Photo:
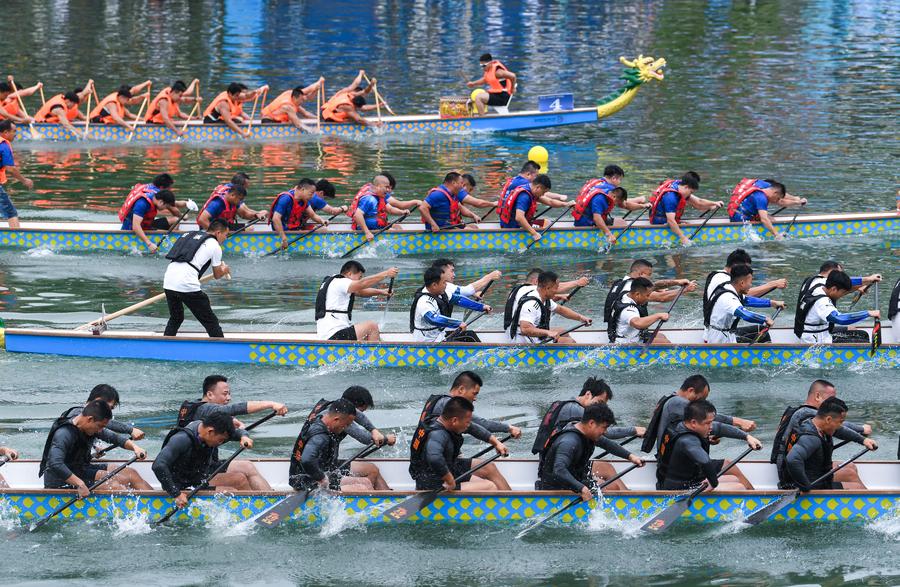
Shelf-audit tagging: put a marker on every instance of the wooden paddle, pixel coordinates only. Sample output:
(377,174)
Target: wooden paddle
(546,228)
(87,118)
(252,113)
(699,228)
(563,333)
(667,518)
(137,119)
(193,111)
(34,133)
(91,489)
(573,503)
(659,324)
(374,236)
(43,101)
(876,327)
(413,505)
(763,331)
(763,513)
(301,237)
(609,245)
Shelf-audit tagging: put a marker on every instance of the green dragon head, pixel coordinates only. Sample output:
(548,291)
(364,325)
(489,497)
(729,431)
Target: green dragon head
(641,69)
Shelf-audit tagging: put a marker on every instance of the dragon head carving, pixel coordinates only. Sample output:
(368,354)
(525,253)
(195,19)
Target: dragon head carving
(642,69)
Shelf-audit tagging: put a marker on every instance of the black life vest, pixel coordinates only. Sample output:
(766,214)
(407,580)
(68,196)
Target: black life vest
(322,296)
(580,467)
(187,413)
(653,428)
(707,306)
(779,444)
(417,462)
(808,286)
(612,329)
(78,456)
(813,470)
(190,470)
(510,304)
(616,291)
(186,247)
(804,306)
(297,476)
(894,303)
(444,307)
(544,321)
(549,424)
(687,471)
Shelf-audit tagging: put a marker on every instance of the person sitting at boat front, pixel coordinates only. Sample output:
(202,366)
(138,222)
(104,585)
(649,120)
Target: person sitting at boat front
(531,317)
(113,109)
(228,107)
(434,456)
(335,298)
(500,81)
(107,393)
(683,461)
(9,455)
(669,200)
(630,323)
(217,398)
(66,461)
(227,202)
(163,109)
(290,208)
(8,166)
(750,201)
(817,315)
(63,108)
(809,452)
(443,207)
(287,107)
(362,430)
(140,210)
(429,315)
(189,455)
(517,209)
(561,413)
(789,429)
(314,458)
(728,306)
(190,256)
(373,202)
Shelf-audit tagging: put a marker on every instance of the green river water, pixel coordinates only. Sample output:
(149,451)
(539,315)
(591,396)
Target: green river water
(802,90)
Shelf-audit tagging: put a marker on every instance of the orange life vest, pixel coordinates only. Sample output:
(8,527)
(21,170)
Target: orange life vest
(294,221)
(153,113)
(274,110)
(103,107)
(45,114)
(657,195)
(739,194)
(330,110)
(236,108)
(140,190)
(590,190)
(381,215)
(2,168)
(508,205)
(11,105)
(230,211)
(455,216)
(495,85)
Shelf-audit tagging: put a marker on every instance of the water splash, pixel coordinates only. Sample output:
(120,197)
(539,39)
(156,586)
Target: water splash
(9,516)
(335,518)
(133,523)
(40,252)
(602,519)
(888,526)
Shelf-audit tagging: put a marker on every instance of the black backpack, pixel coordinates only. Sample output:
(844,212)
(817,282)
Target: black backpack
(616,291)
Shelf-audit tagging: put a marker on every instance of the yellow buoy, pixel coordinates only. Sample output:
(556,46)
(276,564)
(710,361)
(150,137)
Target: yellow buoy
(539,155)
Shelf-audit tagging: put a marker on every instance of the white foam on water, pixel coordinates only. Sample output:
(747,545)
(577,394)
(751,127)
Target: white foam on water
(603,519)
(216,515)
(134,523)
(734,524)
(9,517)
(888,526)
(40,252)
(749,234)
(335,518)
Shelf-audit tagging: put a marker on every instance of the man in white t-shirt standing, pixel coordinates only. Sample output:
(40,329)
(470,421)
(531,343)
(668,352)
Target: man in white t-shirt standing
(531,317)
(191,255)
(334,303)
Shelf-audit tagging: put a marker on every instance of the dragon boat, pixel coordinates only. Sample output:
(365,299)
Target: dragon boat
(638,71)
(591,349)
(28,501)
(413,239)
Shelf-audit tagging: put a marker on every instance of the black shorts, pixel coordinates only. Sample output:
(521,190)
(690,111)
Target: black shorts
(160,223)
(348,333)
(457,468)
(747,334)
(88,474)
(675,485)
(498,99)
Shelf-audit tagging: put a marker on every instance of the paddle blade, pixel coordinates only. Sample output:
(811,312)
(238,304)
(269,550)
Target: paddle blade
(666,518)
(282,510)
(410,507)
(876,337)
(765,512)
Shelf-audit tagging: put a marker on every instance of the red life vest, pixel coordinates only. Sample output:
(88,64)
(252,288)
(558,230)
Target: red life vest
(381,215)
(588,192)
(230,211)
(657,195)
(140,190)
(294,221)
(739,194)
(508,205)
(504,190)
(455,216)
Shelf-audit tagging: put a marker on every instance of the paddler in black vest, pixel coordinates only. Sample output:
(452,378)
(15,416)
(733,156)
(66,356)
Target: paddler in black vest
(529,287)
(894,311)
(430,314)
(530,321)
(191,255)
(561,413)
(9,455)
(566,461)
(814,285)
(630,320)
(730,304)
(190,454)
(683,461)
(362,430)
(669,411)
(66,462)
(109,394)
(314,459)
(792,418)
(661,291)
(467,385)
(335,298)
(217,398)
(817,315)
(809,457)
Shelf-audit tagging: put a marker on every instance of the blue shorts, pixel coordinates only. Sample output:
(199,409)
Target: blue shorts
(7,210)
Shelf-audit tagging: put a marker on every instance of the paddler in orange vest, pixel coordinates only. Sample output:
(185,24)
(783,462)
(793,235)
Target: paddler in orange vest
(290,209)
(113,108)
(9,101)
(287,106)
(346,105)
(500,81)
(227,202)
(228,107)
(163,109)
(750,201)
(374,201)
(63,108)
(670,199)
(597,198)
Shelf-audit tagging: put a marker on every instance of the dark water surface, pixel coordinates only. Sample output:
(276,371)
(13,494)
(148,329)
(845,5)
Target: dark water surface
(805,91)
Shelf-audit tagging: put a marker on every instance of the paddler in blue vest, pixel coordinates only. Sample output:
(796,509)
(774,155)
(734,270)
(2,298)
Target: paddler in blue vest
(729,304)
(597,198)
(7,454)
(191,255)
(561,413)
(670,199)
(530,321)
(809,454)
(290,209)
(750,201)
(517,209)
(373,202)
(319,202)
(335,299)
(443,208)
(8,165)
(467,193)
(817,314)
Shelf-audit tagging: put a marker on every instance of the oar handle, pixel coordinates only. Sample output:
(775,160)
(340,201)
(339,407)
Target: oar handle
(172,228)
(546,228)
(488,213)
(481,295)
(374,236)
(570,295)
(623,443)
(563,333)
(302,236)
(763,332)
(261,421)
(708,218)
(471,471)
(660,322)
(483,452)
(203,485)
(841,466)
(243,228)
(366,451)
(626,229)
